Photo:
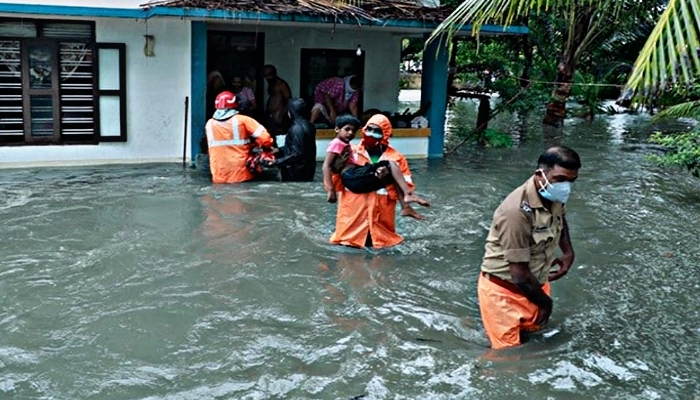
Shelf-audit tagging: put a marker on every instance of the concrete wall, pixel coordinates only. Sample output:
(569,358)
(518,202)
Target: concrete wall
(156,90)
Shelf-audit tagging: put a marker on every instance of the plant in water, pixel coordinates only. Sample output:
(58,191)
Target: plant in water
(682,150)
(496,138)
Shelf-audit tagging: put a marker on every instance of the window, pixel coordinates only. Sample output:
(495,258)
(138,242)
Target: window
(54,89)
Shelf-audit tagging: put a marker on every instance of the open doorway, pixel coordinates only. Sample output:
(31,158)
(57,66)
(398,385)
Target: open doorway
(319,64)
(234,62)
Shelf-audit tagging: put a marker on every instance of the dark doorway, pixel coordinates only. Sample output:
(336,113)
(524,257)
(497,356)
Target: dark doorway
(235,54)
(319,64)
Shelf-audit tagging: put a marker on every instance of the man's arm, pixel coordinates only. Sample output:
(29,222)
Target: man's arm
(285,95)
(531,289)
(567,258)
(293,147)
(514,236)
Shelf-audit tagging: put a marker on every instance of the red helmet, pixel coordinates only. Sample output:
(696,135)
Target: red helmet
(226,100)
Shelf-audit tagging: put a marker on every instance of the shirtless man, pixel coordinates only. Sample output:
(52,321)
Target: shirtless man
(278,102)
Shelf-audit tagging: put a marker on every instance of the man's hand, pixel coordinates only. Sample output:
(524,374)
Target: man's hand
(332,198)
(543,315)
(564,262)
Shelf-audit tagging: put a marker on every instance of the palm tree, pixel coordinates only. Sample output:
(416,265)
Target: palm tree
(587,24)
(670,55)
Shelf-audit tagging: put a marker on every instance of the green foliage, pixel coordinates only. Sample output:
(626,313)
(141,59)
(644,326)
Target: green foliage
(689,109)
(412,49)
(463,129)
(497,139)
(670,53)
(682,150)
(494,65)
(677,94)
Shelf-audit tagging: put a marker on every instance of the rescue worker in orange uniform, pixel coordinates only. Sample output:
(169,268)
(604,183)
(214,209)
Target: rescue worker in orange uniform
(369,219)
(527,228)
(231,137)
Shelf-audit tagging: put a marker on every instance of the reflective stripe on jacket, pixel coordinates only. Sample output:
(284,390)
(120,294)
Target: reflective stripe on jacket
(230,142)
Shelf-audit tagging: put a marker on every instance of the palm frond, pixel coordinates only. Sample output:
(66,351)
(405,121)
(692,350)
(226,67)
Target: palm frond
(689,109)
(670,54)
(505,12)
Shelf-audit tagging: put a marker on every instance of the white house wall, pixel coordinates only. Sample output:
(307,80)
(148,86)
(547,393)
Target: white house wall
(157,86)
(156,90)
(283,49)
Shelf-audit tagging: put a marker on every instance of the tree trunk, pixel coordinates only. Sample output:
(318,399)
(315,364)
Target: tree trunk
(527,52)
(556,109)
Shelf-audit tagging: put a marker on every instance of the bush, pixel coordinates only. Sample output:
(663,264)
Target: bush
(682,150)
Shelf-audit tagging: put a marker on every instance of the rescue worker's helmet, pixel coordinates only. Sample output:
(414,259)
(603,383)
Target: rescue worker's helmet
(226,100)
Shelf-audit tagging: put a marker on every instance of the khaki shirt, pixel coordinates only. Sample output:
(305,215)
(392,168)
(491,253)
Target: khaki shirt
(523,231)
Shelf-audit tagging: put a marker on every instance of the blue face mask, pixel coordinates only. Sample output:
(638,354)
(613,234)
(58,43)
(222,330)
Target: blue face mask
(559,191)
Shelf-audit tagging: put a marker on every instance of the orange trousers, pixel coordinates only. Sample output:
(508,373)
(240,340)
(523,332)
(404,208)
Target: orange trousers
(505,313)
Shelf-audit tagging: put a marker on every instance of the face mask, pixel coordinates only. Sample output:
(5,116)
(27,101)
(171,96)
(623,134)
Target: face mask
(374,133)
(558,191)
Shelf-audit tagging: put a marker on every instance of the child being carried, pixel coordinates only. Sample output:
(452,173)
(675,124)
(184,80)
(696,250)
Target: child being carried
(362,178)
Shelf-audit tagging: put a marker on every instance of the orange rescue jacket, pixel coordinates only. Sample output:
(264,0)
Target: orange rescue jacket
(371,213)
(230,142)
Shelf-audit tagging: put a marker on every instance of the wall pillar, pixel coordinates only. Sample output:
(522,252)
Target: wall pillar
(198,91)
(434,89)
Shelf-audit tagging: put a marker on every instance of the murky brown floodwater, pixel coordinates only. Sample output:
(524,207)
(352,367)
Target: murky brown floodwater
(144,282)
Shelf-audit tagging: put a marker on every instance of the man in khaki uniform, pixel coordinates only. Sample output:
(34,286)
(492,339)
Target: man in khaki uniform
(527,228)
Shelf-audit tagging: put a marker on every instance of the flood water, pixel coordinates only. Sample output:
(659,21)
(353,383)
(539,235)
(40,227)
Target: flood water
(147,282)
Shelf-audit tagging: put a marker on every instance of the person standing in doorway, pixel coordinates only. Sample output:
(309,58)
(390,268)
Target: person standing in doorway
(334,96)
(250,80)
(278,100)
(528,226)
(244,96)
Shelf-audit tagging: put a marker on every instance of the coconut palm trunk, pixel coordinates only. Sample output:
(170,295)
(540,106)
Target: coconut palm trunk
(556,108)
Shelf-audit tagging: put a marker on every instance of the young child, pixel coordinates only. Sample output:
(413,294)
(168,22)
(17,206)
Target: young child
(361,178)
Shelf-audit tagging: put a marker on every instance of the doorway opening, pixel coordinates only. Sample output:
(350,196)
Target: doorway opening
(239,57)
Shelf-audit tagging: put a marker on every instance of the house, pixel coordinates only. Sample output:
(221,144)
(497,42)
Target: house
(119,81)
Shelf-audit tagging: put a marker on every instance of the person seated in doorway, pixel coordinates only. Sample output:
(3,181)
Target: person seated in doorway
(297,158)
(334,96)
(362,177)
(231,138)
(244,96)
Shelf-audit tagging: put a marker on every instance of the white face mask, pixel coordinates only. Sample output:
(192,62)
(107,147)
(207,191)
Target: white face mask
(559,191)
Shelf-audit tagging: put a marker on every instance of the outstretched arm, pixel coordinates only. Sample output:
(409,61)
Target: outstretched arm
(292,149)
